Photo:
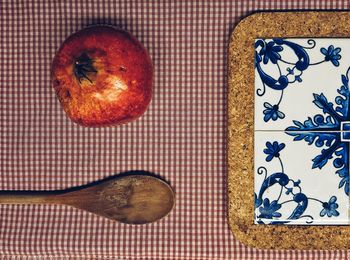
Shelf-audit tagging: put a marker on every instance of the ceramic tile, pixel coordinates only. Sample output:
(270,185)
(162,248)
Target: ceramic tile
(301,178)
(301,79)
(302,131)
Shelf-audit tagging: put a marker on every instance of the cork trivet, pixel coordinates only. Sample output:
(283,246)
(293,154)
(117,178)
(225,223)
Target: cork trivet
(241,129)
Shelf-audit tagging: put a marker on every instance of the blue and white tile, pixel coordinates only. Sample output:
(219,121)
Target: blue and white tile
(313,79)
(301,178)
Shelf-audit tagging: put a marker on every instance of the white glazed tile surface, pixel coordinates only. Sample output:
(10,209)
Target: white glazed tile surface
(296,158)
(297,102)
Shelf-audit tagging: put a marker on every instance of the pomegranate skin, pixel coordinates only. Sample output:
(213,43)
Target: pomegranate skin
(102,77)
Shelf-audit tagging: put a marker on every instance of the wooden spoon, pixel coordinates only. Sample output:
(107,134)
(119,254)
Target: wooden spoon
(131,199)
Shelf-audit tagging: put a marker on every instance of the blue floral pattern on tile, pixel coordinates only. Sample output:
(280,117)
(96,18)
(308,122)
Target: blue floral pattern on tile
(332,54)
(330,208)
(325,132)
(271,52)
(266,209)
(273,150)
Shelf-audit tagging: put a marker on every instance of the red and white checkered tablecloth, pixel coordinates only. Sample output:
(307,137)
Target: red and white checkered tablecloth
(181,137)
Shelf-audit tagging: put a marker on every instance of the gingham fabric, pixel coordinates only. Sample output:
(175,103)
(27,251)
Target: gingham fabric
(181,137)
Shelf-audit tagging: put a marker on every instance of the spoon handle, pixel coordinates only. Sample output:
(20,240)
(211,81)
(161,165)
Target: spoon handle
(29,197)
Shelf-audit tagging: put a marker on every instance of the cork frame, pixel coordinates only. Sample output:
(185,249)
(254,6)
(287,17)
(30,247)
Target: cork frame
(311,24)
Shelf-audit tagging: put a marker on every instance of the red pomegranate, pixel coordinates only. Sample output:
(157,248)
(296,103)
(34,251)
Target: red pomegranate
(102,76)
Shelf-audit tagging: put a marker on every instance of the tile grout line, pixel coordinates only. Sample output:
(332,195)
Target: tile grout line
(301,131)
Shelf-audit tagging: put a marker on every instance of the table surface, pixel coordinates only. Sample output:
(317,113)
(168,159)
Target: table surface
(181,137)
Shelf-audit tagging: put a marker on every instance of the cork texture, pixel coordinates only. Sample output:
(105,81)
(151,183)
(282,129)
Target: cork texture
(241,129)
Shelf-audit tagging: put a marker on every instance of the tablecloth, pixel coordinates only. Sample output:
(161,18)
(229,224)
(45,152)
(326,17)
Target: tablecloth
(182,136)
